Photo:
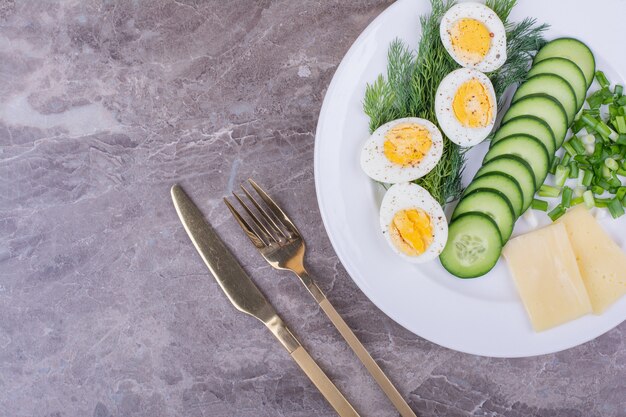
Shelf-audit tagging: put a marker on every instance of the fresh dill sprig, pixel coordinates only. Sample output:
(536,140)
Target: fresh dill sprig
(412,80)
(379,103)
(524,39)
(400,69)
(502,8)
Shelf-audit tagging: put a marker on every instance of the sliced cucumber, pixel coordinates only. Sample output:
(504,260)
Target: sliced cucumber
(527,147)
(566,69)
(503,183)
(554,86)
(473,247)
(492,203)
(529,125)
(544,107)
(572,49)
(517,168)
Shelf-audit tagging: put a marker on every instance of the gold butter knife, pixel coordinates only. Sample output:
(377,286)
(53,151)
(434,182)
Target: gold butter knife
(246,297)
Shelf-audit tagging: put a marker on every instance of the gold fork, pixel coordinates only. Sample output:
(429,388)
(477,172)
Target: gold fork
(282,246)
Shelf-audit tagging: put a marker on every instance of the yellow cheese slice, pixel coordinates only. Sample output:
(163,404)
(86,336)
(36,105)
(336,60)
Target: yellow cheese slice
(601,262)
(544,269)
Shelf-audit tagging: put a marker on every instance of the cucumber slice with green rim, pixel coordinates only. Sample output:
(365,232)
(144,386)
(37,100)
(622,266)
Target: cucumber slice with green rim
(473,247)
(503,183)
(572,49)
(529,125)
(544,107)
(554,86)
(492,203)
(527,147)
(566,69)
(517,168)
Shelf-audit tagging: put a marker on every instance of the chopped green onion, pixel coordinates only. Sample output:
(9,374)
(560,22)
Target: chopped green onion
(557,212)
(577,145)
(621,101)
(621,172)
(539,204)
(577,125)
(617,92)
(589,121)
(573,169)
(597,151)
(576,201)
(561,175)
(587,178)
(603,202)
(553,165)
(590,148)
(569,148)
(588,139)
(615,208)
(602,79)
(605,130)
(548,191)
(589,200)
(606,172)
(611,164)
(621,140)
(566,197)
(621,193)
(614,182)
(602,184)
(566,158)
(620,124)
(600,97)
(597,190)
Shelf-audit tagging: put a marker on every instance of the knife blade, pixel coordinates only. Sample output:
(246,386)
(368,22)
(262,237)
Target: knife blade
(247,297)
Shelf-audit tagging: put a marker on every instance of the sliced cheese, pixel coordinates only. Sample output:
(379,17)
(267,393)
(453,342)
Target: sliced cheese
(544,269)
(601,262)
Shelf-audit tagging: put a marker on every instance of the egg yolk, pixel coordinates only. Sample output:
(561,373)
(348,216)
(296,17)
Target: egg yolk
(411,231)
(470,39)
(407,144)
(472,104)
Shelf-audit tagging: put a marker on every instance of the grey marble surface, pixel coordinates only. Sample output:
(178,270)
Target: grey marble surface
(106,309)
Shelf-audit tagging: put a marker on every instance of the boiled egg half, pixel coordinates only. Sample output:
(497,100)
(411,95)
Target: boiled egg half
(474,36)
(402,150)
(413,223)
(465,105)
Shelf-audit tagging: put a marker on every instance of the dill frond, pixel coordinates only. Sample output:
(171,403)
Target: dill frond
(400,69)
(501,7)
(524,39)
(379,103)
(412,80)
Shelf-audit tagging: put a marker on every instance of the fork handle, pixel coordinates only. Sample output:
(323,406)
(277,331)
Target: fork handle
(321,381)
(372,367)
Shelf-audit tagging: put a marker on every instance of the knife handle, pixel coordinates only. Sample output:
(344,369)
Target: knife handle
(330,392)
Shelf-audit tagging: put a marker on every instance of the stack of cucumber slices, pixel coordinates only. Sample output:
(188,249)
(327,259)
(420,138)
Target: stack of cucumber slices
(518,160)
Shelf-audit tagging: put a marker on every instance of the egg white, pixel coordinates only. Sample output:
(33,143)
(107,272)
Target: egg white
(378,167)
(496,56)
(410,196)
(454,130)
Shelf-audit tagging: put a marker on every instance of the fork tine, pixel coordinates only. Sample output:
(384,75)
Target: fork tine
(276,210)
(259,224)
(267,217)
(254,237)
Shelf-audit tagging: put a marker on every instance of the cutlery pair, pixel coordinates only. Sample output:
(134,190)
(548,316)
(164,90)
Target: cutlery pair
(280,243)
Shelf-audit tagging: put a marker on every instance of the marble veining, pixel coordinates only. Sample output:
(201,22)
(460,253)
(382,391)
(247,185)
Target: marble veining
(105,308)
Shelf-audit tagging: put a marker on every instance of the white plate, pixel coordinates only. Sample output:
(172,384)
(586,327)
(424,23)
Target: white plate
(482,316)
